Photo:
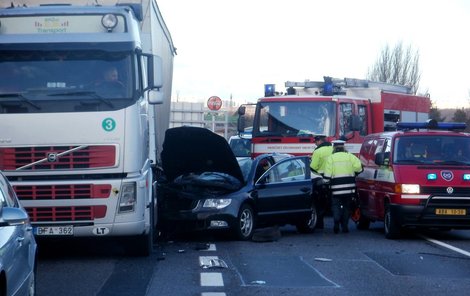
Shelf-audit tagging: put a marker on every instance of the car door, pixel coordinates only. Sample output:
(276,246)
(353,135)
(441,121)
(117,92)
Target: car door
(18,246)
(285,189)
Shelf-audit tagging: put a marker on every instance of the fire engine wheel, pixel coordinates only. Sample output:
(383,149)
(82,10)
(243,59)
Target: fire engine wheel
(245,224)
(392,229)
(308,225)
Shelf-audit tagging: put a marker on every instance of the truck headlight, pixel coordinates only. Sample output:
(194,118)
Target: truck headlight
(216,203)
(128,198)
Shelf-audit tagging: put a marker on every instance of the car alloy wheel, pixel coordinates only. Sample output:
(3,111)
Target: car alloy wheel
(245,223)
(309,224)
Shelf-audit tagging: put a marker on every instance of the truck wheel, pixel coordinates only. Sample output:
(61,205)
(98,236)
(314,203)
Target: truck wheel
(392,229)
(309,224)
(245,224)
(140,246)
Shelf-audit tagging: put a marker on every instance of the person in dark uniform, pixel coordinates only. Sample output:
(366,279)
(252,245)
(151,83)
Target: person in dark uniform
(341,169)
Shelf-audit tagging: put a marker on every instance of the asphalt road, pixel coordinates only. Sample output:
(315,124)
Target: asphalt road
(281,262)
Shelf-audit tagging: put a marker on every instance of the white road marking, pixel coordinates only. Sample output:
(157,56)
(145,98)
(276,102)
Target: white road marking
(206,260)
(212,279)
(211,248)
(213,294)
(450,247)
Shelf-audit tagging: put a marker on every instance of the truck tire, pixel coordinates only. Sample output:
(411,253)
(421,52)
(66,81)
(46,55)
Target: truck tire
(391,227)
(308,225)
(140,246)
(245,224)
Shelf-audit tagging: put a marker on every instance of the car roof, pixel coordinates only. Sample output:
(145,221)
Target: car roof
(196,150)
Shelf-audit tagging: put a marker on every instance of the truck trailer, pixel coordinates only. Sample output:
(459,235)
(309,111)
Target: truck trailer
(84,105)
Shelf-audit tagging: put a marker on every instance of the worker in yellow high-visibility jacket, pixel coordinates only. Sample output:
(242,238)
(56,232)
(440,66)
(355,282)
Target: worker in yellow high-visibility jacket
(341,169)
(322,150)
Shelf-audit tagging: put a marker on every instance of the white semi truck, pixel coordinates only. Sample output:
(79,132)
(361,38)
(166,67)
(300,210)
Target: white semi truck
(84,103)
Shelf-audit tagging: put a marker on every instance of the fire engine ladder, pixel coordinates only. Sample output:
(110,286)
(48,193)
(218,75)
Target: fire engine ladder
(351,82)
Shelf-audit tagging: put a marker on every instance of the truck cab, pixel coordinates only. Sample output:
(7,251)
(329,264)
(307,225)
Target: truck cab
(418,176)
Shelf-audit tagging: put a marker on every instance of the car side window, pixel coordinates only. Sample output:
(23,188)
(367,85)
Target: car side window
(3,200)
(7,192)
(6,202)
(287,171)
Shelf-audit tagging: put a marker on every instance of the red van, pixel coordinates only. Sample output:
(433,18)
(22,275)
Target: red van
(418,176)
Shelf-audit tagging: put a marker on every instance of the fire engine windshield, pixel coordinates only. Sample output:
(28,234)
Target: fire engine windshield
(295,118)
(436,149)
(65,81)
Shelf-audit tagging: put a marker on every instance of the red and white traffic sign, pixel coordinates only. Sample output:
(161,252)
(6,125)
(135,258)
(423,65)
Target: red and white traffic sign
(214,103)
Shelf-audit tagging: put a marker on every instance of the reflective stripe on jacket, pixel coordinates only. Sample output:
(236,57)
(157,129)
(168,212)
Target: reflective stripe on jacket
(341,169)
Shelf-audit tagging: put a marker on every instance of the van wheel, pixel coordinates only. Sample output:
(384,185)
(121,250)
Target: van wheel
(363,223)
(245,224)
(308,224)
(392,229)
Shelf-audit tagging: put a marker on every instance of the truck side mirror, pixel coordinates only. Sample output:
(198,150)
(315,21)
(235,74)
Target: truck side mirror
(155,72)
(356,123)
(154,79)
(241,119)
(241,124)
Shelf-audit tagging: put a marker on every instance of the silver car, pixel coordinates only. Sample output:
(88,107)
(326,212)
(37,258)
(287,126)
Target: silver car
(17,245)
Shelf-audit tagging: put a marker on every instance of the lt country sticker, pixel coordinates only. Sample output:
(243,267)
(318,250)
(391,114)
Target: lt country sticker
(108,124)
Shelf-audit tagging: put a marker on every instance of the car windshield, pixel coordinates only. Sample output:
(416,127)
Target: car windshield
(295,118)
(438,149)
(245,165)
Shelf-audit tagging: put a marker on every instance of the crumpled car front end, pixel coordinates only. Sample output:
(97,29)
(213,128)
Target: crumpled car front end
(201,182)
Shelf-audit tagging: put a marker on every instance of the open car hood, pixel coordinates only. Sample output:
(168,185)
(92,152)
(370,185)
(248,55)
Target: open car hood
(197,150)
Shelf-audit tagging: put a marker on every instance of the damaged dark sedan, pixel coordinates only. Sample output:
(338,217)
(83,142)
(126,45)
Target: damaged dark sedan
(204,187)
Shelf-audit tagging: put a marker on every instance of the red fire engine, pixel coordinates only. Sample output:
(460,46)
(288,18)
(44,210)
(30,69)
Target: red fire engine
(347,109)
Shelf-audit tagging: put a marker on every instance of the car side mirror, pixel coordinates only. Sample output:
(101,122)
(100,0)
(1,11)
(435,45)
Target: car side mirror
(14,216)
(382,158)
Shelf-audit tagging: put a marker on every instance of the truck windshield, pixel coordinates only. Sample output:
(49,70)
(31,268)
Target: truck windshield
(64,81)
(435,149)
(295,118)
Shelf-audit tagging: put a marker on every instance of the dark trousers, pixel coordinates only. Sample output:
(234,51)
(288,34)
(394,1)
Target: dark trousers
(340,207)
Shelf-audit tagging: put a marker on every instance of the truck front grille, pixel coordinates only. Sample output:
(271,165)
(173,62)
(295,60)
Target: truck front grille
(57,157)
(52,192)
(72,214)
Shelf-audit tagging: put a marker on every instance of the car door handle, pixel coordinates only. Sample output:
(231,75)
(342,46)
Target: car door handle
(306,189)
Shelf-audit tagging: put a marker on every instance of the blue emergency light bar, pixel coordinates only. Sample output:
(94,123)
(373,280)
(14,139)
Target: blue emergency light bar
(431,124)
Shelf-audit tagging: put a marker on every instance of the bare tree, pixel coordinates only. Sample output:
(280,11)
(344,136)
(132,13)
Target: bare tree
(397,65)
(435,113)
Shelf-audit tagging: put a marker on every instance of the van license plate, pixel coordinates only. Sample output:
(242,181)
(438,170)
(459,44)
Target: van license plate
(457,212)
(53,230)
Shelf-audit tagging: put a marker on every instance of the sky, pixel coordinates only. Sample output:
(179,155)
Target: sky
(231,49)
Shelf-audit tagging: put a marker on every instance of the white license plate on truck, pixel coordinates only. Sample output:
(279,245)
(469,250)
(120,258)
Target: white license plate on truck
(53,230)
